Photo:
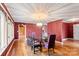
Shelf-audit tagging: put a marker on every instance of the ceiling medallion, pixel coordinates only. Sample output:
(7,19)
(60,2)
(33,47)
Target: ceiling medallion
(40,15)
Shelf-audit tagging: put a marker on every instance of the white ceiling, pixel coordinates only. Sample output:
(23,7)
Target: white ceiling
(23,12)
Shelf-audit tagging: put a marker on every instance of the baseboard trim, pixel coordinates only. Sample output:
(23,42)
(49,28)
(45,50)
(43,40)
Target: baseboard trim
(59,42)
(8,49)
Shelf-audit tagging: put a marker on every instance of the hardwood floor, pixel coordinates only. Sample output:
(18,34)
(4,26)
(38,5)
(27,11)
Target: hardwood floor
(20,48)
(68,49)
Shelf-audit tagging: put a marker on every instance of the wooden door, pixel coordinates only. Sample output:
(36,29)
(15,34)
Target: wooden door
(21,31)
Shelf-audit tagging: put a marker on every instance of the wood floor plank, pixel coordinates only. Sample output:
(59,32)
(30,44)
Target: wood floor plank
(22,49)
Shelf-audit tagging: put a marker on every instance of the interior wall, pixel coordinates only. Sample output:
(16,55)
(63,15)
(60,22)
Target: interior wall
(16,29)
(33,28)
(67,30)
(29,29)
(55,28)
(61,29)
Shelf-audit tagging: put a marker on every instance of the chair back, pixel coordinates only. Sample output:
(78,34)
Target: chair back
(51,43)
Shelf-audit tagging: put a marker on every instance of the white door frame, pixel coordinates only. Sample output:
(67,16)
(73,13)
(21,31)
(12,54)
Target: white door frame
(25,31)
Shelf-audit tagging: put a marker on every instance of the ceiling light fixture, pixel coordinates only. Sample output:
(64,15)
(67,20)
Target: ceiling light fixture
(40,15)
(39,24)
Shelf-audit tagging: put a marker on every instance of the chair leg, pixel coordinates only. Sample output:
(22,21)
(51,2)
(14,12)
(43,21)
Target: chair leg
(40,48)
(34,49)
(31,47)
(49,52)
(53,50)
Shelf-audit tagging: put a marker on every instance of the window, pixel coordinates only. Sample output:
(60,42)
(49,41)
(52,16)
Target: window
(6,31)
(2,34)
(10,31)
(0,29)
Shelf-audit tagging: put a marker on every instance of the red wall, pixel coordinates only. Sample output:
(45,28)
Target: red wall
(33,28)
(16,29)
(68,30)
(61,29)
(55,28)
(29,29)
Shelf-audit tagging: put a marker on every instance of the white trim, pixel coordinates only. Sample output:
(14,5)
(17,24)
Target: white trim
(5,48)
(25,31)
(10,47)
(2,33)
(19,33)
(58,42)
(6,12)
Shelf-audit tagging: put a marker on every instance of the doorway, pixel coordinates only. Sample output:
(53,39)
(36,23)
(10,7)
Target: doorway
(76,31)
(22,31)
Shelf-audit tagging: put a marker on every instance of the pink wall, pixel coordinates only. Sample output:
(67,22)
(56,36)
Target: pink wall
(55,28)
(16,29)
(61,29)
(33,28)
(29,29)
(68,30)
